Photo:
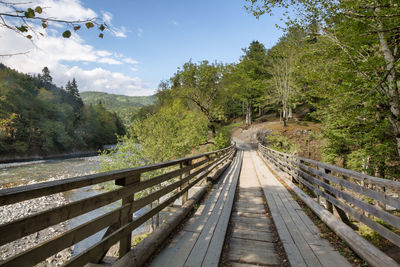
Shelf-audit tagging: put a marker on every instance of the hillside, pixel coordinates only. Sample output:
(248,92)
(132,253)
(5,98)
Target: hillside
(124,106)
(37,118)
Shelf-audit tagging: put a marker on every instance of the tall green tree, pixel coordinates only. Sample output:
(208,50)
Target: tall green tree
(200,84)
(247,78)
(367,34)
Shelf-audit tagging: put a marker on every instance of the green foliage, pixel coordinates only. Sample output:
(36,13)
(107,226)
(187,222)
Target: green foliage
(280,142)
(348,70)
(31,19)
(222,139)
(200,84)
(171,133)
(125,107)
(36,117)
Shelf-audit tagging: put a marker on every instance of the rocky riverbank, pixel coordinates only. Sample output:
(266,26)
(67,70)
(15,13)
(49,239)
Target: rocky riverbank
(22,209)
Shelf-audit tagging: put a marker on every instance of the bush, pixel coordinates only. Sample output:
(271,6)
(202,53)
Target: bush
(280,142)
(222,138)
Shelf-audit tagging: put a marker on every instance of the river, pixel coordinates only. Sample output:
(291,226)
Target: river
(39,171)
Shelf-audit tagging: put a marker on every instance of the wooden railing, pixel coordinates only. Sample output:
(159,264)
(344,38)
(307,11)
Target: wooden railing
(178,177)
(365,198)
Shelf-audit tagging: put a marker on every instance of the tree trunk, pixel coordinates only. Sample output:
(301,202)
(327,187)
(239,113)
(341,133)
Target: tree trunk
(244,115)
(392,88)
(259,111)
(248,113)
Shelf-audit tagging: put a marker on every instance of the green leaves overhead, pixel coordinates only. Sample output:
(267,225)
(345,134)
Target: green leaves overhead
(23,28)
(89,24)
(102,28)
(30,13)
(66,34)
(38,9)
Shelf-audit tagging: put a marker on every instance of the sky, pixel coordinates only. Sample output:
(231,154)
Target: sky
(147,41)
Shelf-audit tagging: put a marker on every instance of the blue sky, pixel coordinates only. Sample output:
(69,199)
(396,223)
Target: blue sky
(151,39)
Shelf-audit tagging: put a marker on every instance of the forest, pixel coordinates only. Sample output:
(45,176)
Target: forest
(337,60)
(124,106)
(37,118)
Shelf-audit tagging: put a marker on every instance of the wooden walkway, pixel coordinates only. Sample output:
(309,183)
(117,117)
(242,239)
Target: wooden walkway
(200,242)
(251,242)
(300,237)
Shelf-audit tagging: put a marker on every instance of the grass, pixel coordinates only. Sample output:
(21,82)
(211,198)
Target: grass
(231,126)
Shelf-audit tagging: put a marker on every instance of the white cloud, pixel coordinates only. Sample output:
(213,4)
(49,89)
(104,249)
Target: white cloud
(130,60)
(139,32)
(110,61)
(107,17)
(102,80)
(119,32)
(59,54)
(175,22)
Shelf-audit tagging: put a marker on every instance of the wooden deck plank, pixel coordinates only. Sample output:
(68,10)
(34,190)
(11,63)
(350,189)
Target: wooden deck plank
(252,251)
(199,251)
(178,251)
(299,222)
(270,186)
(251,242)
(304,248)
(216,245)
(252,234)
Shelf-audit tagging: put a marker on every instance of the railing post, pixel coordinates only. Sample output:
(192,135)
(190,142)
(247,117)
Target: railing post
(125,242)
(185,195)
(329,205)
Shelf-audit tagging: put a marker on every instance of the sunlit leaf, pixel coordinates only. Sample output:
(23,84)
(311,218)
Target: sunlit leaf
(77,28)
(38,9)
(29,36)
(44,25)
(89,25)
(23,28)
(101,35)
(102,28)
(66,34)
(30,13)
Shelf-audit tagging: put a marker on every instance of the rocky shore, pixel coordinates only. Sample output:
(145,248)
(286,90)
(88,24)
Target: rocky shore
(22,209)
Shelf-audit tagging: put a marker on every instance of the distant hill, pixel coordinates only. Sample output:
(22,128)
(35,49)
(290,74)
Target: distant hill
(124,106)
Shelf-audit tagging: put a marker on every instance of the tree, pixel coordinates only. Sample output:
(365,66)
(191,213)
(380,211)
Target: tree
(367,34)
(201,85)
(247,78)
(283,58)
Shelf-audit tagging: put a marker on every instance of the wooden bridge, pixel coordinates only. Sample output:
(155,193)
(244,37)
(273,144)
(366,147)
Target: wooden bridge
(232,207)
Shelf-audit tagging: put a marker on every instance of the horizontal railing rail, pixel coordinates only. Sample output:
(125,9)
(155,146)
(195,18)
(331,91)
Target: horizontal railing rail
(367,199)
(179,176)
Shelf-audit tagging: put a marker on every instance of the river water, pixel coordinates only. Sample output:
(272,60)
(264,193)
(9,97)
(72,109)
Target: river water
(39,171)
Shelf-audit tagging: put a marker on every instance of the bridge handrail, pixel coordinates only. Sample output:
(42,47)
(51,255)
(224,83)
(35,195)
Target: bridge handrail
(347,191)
(190,170)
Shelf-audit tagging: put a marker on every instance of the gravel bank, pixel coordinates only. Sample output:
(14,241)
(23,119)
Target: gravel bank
(22,209)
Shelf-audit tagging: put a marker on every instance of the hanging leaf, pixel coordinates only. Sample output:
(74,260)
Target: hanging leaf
(30,13)
(29,36)
(89,25)
(23,28)
(38,9)
(77,28)
(66,34)
(102,28)
(101,35)
(44,25)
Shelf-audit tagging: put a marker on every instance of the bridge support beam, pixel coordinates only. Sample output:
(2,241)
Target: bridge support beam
(126,242)
(185,195)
